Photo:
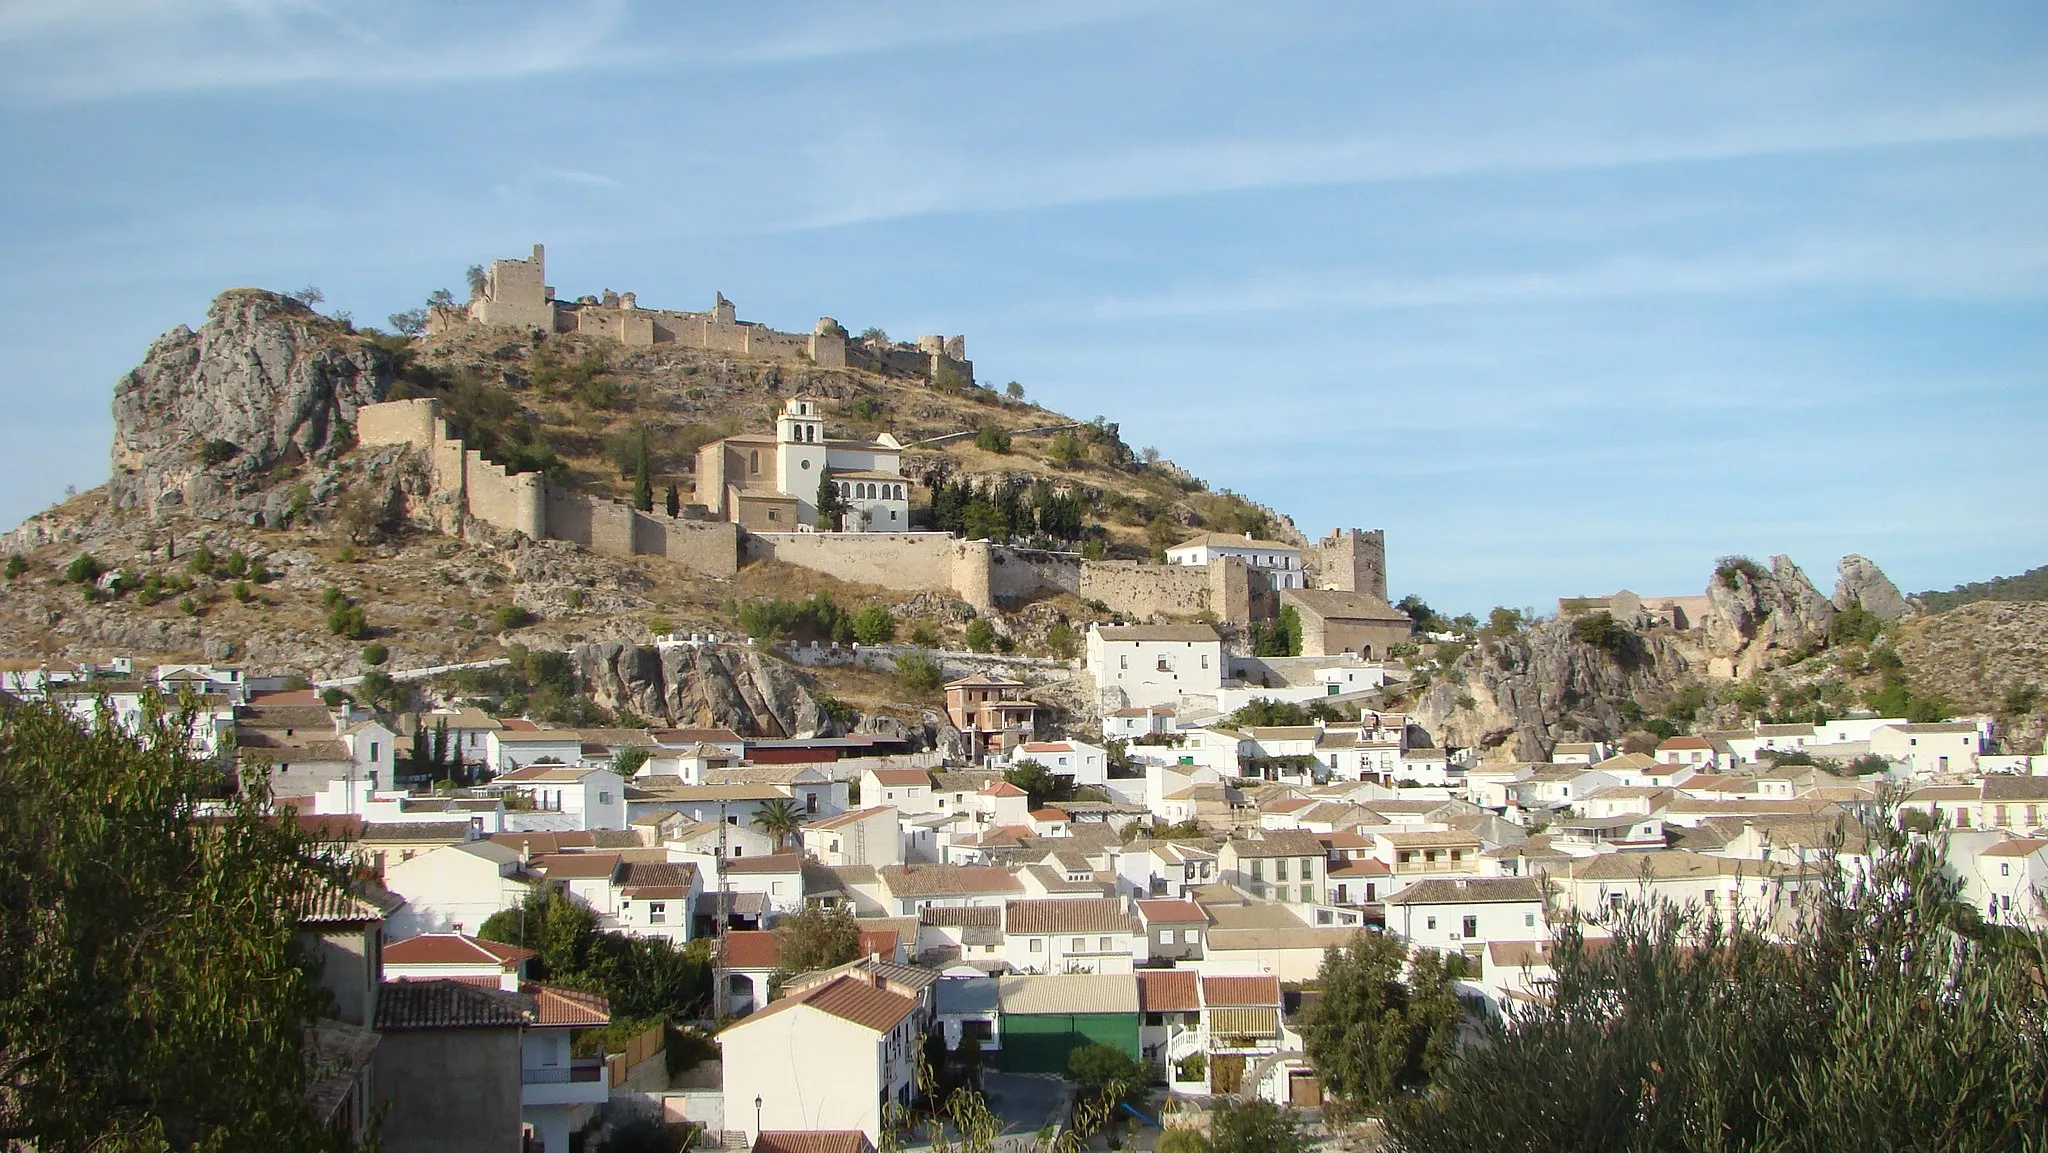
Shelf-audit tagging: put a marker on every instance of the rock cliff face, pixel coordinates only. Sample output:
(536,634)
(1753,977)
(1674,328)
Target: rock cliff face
(1529,692)
(701,687)
(1758,618)
(1859,581)
(264,381)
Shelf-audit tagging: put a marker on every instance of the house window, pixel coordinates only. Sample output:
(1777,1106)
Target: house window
(1258,869)
(1308,868)
(772,516)
(1162,665)
(1279,869)
(1191,936)
(1080,945)
(2005,868)
(604,798)
(1123,662)
(1102,944)
(775,888)
(1205,660)
(1430,923)
(1529,919)
(1037,945)
(657,912)
(754,464)
(373,750)
(1308,895)
(1471,926)
(1166,936)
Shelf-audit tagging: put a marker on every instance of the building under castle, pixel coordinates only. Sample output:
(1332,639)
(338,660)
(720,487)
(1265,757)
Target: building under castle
(515,294)
(769,483)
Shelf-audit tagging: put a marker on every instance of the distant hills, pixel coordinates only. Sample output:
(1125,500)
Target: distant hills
(2031,585)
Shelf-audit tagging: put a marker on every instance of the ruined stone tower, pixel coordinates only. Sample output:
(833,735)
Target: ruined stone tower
(1351,560)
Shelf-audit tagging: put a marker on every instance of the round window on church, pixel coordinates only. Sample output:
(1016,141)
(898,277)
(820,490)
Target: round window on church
(804,463)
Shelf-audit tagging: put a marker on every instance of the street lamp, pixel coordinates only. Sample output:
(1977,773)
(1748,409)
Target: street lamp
(757,1115)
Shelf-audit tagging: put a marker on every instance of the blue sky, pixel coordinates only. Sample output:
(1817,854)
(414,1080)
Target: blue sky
(1566,297)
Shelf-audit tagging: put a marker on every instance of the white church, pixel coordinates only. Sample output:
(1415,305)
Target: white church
(771,483)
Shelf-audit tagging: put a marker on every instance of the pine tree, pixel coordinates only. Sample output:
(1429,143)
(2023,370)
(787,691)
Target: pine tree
(675,502)
(831,506)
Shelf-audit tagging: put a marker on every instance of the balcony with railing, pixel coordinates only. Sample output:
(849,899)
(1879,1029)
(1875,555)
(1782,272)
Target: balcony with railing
(583,1081)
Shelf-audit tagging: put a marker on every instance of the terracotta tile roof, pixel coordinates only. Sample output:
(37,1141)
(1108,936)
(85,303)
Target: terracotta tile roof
(416,831)
(772,863)
(1259,990)
(850,817)
(902,777)
(1168,991)
(1002,789)
(2017,847)
(538,843)
(331,904)
(553,1005)
(1684,743)
(1168,634)
(446,1005)
(750,949)
(578,866)
(964,916)
(672,879)
(453,949)
(1172,913)
(946,880)
(812,1141)
(1473,891)
(1067,915)
(850,998)
(1050,814)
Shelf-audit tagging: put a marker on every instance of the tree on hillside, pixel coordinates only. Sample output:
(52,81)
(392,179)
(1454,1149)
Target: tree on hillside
(411,322)
(780,818)
(477,279)
(673,502)
(1884,1017)
(813,938)
(874,625)
(644,978)
(140,942)
(1014,391)
(1385,1021)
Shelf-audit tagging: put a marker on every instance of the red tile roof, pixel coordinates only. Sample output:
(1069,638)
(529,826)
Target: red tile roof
(812,1141)
(1261,990)
(1168,991)
(553,1005)
(578,866)
(750,949)
(538,843)
(453,949)
(1050,815)
(1002,789)
(851,998)
(1172,912)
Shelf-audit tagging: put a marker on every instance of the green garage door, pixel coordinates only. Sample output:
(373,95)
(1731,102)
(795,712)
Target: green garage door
(1039,1043)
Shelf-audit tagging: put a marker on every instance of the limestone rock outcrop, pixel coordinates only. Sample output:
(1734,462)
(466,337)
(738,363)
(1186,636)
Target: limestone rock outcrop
(1758,617)
(1528,692)
(1859,581)
(701,686)
(207,415)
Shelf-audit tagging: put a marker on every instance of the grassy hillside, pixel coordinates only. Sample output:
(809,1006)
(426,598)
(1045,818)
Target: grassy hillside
(580,409)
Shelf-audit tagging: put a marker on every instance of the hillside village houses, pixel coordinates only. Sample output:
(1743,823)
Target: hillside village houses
(1280,563)
(1028,926)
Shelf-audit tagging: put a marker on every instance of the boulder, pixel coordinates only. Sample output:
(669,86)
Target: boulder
(1858,581)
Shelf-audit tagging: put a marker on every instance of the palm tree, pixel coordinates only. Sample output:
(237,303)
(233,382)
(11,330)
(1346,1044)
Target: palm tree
(779,818)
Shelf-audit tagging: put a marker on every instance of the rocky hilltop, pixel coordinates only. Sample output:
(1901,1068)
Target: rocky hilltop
(1770,644)
(210,417)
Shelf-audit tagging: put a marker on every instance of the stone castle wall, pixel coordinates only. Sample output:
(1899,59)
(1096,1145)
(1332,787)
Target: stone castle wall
(987,576)
(475,488)
(1350,560)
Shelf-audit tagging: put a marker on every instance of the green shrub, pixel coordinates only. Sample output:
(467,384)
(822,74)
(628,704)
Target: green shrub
(16,566)
(217,452)
(188,606)
(347,621)
(874,625)
(1601,631)
(375,653)
(201,562)
(573,598)
(1065,449)
(83,570)
(992,439)
(1730,570)
(925,634)
(242,592)
(1062,641)
(509,617)
(918,672)
(660,626)
(981,635)
(333,598)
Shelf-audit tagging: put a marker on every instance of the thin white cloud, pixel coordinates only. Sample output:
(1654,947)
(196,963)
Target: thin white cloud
(53,54)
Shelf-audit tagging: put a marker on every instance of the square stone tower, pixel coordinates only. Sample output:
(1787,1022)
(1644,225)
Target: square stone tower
(1351,560)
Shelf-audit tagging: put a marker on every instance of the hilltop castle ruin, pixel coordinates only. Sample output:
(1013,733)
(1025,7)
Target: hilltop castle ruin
(515,294)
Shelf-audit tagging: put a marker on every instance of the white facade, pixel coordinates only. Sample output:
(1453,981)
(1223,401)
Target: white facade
(452,889)
(1280,562)
(1087,764)
(870,836)
(1155,664)
(591,799)
(1941,748)
(812,1069)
